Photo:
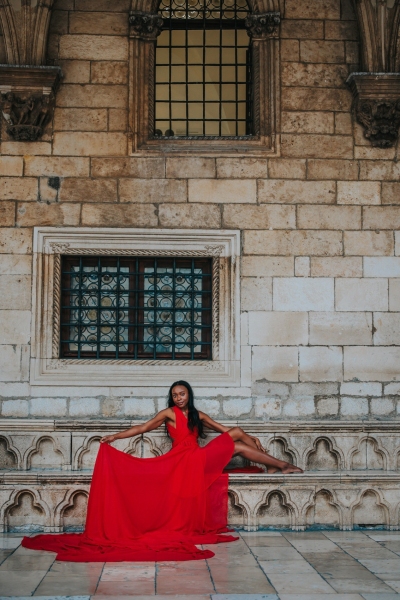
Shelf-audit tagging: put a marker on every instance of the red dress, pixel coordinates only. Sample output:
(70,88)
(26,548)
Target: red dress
(152,509)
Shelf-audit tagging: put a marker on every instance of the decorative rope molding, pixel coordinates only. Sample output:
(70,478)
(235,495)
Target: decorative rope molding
(56,305)
(65,363)
(66,248)
(215,307)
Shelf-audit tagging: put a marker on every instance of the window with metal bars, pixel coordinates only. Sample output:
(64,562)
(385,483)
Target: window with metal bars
(203,79)
(136,308)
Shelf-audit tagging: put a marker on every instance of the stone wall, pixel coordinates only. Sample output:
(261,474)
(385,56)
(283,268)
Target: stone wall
(320,265)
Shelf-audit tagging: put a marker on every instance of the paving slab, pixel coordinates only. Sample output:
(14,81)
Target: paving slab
(360,586)
(380,596)
(20,582)
(244,597)
(322,597)
(299,583)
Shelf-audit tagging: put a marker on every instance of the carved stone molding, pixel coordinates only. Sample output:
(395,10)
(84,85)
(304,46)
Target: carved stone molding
(376,106)
(261,26)
(25,28)
(27,97)
(144,25)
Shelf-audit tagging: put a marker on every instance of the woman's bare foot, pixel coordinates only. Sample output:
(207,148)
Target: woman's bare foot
(291,469)
(271,470)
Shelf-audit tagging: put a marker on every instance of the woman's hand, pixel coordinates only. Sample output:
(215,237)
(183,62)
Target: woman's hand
(108,439)
(258,443)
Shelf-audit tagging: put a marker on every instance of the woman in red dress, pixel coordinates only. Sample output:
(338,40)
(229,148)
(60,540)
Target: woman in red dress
(161,508)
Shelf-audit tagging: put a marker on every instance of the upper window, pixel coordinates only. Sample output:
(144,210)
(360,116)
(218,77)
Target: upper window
(203,76)
(116,307)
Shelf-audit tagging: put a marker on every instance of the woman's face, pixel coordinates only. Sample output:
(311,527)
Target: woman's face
(180,396)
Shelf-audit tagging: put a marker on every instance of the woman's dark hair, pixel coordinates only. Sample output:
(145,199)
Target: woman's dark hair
(194,421)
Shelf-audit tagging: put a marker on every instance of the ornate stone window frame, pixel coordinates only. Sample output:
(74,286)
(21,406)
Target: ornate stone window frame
(263,28)
(51,243)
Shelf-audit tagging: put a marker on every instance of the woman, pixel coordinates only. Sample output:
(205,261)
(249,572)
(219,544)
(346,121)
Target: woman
(161,508)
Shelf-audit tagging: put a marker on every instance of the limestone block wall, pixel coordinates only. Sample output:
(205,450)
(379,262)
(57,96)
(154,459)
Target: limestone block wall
(319,219)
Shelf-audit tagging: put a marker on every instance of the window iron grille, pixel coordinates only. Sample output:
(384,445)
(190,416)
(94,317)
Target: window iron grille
(158,308)
(203,79)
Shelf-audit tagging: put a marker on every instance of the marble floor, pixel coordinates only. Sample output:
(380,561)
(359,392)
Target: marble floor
(313,565)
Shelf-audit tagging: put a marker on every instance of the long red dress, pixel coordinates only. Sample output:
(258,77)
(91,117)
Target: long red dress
(152,509)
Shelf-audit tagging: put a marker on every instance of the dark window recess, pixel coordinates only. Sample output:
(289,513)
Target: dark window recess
(203,79)
(135,308)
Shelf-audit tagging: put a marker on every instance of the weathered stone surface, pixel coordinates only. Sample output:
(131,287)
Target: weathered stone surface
(302,266)
(334,329)
(354,407)
(142,168)
(26,148)
(320,75)
(15,264)
(55,166)
(331,99)
(314,192)
(368,243)
(343,126)
(7,214)
(307,122)
(332,169)
(300,243)
(274,364)
(267,266)
(237,407)
(109,72)
(190,168)
(341,30)
(387,329)
(152,190)
(15,241)
(278,329)
(382,406)
(329,217)
(189,215)
(15,408)
(336,267)
(381,217)
(117,119)
(290,50)
(321,364)
(15,292)
(382,170)
(30,214)
(317,145)
(371,364)
(350,388)
(394,294)
(112,215)
(221,191)
(361,294)
(80,119)
(139,407)
(289,168)
(312,51)
(292,28)
(242,168)
(11,368)
(101,23)
(303,294)
(327,407)
(244,216)
(267,407)
(390,193)
(91,47)
(14,324)
(92,96)
(299,407)
(322,9)
(75,71)
(48,407)
(359,192)
(210,407)
(11,166)
(82,407)
(89,143)
(256,293)
(88,190)
(18,188)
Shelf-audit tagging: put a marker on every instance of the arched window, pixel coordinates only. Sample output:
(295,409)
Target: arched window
(203,70)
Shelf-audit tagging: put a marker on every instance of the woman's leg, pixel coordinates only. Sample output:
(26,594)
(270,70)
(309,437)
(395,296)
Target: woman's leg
(249,450)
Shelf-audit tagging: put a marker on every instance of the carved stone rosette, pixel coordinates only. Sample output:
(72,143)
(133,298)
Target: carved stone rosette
(376,106)
(27,97)
(145,25)
(261,26)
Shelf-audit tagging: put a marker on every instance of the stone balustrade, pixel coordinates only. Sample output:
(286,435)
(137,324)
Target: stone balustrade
(352,476)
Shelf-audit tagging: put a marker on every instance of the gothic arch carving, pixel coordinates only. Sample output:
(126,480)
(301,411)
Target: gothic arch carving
(364,501)
(11,449)
(134,447)
(67,503)
(330,501)
(10,33)
(15,502)
(291,453)
(377,449)
(284,504)
(84,449)
(331,448)
(35,449)
(256,6)
(152,445)
(239,506)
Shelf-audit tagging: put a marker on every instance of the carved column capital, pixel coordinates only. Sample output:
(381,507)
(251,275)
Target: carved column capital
(145,25)
(260,26)
(27,96)
(376,106)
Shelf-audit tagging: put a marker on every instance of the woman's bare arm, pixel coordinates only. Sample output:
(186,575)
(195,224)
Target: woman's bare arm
(155,422)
